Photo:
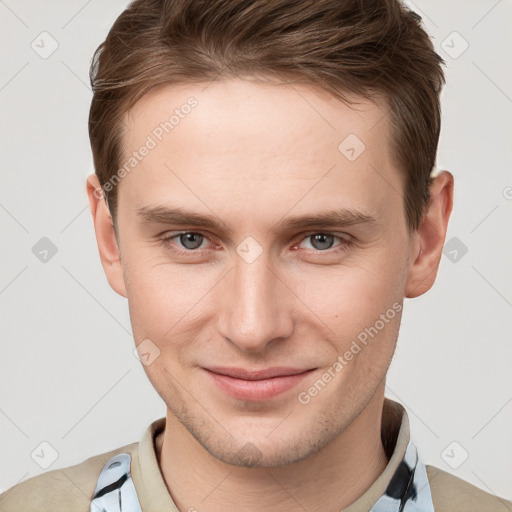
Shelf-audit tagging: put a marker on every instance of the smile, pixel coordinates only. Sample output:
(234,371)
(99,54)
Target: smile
(256,386)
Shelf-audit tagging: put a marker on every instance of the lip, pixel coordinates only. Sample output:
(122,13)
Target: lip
(257,385)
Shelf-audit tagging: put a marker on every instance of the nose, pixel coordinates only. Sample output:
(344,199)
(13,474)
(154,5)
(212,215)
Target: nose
(255,308)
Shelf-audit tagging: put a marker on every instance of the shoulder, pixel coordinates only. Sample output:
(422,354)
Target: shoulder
(452,494)
(68,489)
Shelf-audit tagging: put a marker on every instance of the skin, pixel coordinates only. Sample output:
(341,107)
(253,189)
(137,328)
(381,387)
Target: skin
(254,155)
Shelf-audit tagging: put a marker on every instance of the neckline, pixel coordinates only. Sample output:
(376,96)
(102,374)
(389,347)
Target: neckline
(155,496)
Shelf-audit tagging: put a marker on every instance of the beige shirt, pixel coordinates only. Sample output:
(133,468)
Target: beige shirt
(70,489)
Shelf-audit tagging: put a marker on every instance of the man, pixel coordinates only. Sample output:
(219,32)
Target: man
(264,199)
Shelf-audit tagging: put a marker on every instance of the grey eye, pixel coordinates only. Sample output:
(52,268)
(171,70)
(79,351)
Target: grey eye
(191,240)
(322,241)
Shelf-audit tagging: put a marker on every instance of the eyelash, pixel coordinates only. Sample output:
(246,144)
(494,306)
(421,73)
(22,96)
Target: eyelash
(340,248)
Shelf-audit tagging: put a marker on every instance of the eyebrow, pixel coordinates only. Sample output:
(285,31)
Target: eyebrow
(181,216)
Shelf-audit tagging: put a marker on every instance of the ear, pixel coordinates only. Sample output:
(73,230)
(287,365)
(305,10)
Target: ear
(110,254)
(430,236)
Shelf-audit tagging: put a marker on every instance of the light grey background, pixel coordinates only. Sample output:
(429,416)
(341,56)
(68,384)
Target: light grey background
(68,376)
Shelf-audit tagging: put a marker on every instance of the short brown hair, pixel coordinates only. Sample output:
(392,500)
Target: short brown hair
(370,48)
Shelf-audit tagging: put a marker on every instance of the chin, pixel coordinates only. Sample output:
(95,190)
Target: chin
(250,456)
(271,449)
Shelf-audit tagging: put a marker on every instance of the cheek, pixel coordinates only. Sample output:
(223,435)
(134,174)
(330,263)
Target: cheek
(362,307)
(352,296)
(163,298)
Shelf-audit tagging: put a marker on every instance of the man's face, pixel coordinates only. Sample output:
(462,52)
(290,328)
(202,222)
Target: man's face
(256,291)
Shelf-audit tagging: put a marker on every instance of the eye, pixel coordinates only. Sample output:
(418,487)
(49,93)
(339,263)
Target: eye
(184,242)
(322,242)
(190,240)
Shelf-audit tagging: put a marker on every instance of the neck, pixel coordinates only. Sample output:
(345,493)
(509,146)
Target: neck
(330,479)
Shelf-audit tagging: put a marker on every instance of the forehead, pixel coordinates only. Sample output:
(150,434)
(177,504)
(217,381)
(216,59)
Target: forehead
(240,110)
(251,141)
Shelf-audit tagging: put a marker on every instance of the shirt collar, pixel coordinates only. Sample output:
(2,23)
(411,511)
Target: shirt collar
(402,487)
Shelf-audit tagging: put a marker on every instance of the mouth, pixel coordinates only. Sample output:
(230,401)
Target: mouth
(258,385)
